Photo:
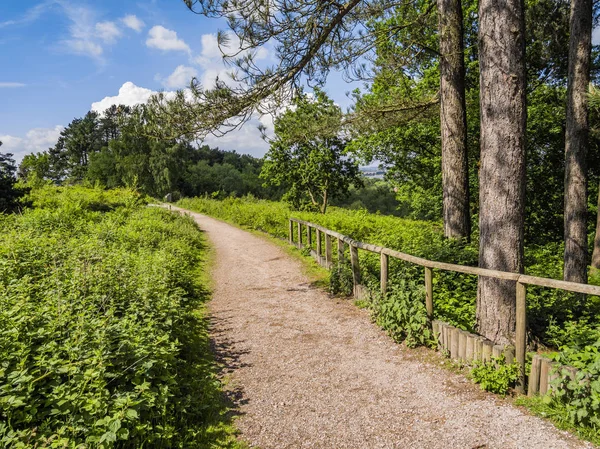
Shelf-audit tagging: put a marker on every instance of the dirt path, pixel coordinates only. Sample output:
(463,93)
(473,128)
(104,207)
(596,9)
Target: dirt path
(308,371)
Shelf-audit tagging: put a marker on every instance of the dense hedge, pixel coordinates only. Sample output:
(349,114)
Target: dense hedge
(102,338)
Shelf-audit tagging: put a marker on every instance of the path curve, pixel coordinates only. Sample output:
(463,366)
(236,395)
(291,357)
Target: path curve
(309,371)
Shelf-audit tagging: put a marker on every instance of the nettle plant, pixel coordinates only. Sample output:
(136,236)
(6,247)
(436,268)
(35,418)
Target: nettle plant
(401,312)
(495,376)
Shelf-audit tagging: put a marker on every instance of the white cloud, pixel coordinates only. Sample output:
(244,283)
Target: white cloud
(31,15)
(8,85)
(165,39)
(35,141)
(108,32)
(180,78)
(133,22)
(211,58)
(85,48)
(246,140)
(210,46)
(88,37)
(129,95)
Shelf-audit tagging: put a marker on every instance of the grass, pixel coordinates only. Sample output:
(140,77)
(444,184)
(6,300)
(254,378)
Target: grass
(557,415)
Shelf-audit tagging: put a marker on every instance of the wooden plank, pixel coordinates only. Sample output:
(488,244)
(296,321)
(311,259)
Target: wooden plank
(523,279)
(299,235)
(428,292)
(478,348)
(462,345)
(509,354)
(444,335)
(291,231)
(328,252)
(435,328)
(470,349)
(309,236)
(355,266)
(454,342)
(521,335)
(319,250)
(440,337)
(544,368)
(383,279)
(562,285)
(533,386)
(497,350)
(486,353)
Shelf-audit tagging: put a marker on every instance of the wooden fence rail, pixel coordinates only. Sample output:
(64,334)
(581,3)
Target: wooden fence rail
(521,280)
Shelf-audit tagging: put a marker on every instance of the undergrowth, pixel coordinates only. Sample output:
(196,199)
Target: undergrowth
(495,376)
(103,338)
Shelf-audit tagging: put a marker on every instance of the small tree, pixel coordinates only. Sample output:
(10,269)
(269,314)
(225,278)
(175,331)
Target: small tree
(9,194)
(308,153)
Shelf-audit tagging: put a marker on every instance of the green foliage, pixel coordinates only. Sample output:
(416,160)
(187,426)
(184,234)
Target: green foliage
(556,413)
(340,280)
(495,376)
(376,196)
(103,342)
(308,155)
(580,396)
(10,193)
(401,312)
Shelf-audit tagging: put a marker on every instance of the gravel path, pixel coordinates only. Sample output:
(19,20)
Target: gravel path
(309,371)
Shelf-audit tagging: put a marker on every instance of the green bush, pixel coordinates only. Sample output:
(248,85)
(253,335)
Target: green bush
(102,339)
(495,376)
(340,280)
(401,312)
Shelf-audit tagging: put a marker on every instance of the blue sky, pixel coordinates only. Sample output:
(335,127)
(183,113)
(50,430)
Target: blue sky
(61,58)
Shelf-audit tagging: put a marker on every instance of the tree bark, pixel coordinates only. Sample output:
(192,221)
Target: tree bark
(453,117)
(502,172)
(596,253)
(576,142)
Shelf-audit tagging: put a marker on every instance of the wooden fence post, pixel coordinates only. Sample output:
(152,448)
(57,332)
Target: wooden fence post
(534,377)
(544,370)
(383,280)
(309,236)
(299,235)
(521,335)
(355,267)
(291,230)
(429,292)
(318,246)
(328,251)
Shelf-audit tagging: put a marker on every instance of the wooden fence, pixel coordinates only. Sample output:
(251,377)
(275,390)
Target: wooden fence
(521,280)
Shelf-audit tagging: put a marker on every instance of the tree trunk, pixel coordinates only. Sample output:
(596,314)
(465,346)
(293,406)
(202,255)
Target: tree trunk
(596,253)
(502,172)
(576,142)
(453,117)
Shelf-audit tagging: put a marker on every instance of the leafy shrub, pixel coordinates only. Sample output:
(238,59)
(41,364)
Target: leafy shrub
(495,376)
(341,281)
(580,397)
(401,312)
(101,340)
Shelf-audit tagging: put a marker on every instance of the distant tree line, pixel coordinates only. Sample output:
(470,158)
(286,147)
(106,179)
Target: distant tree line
(112,149)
